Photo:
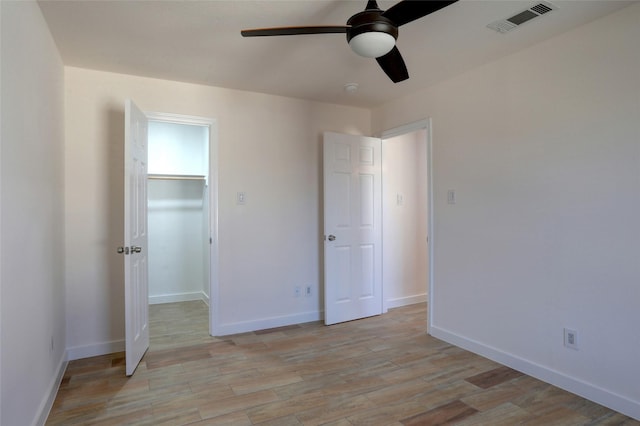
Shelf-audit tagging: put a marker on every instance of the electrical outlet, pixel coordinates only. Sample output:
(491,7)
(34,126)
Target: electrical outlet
(298,291)
(307,291)
(571,338)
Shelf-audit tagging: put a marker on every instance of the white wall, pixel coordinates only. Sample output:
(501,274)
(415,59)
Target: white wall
(405,261)
(32,220)
(542,148)
(178,149)
(176,234)
(269,147)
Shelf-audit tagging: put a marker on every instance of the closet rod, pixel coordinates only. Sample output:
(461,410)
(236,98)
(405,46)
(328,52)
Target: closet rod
(176,177)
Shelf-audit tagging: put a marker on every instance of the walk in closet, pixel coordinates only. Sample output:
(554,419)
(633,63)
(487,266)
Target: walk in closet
(178,212)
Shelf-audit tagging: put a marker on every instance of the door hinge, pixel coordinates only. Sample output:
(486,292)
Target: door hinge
(123,250)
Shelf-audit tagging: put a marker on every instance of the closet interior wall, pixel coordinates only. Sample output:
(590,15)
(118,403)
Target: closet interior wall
(178,212)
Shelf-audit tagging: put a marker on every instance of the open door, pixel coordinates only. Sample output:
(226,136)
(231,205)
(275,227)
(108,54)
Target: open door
(352,227)
(136,289)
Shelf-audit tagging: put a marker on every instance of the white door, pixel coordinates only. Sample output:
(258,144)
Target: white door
(352,227)
(136,298)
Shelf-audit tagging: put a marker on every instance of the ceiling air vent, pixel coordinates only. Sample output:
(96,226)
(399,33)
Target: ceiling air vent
(506,25)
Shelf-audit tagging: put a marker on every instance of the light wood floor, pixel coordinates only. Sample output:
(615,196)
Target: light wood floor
(377,371)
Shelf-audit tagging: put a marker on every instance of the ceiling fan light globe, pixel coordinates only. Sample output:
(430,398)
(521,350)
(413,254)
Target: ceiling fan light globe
(372,44)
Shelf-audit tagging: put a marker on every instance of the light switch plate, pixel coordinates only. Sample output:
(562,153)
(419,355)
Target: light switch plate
(241,198)
(451,196)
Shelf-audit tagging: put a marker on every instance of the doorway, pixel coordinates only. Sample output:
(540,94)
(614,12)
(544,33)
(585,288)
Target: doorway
(182,208)
(406,188)
(402,274)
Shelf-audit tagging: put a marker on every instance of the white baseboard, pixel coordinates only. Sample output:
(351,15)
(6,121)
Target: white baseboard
(104,348)
(264,323)
(405,301)
(178,297)
(589,391)
(96,349)
(45,406)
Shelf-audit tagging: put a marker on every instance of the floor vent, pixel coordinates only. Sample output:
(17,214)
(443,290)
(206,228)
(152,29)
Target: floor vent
(506,25)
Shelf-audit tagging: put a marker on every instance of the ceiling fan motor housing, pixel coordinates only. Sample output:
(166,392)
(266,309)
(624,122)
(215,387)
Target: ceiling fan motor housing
(370,21)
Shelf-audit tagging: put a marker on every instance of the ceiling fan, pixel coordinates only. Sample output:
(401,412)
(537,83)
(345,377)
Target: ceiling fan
(371,33)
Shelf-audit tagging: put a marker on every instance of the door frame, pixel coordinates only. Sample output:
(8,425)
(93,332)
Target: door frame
(212,124)
(424,124)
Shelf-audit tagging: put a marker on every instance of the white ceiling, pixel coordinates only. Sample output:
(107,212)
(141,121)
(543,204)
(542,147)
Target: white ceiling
(200,42)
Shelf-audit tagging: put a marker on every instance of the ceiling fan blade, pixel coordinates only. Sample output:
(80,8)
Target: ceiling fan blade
(409,10)
(393,65)
(285,31)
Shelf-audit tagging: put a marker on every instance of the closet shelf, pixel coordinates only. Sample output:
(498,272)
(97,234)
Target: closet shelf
(176,177)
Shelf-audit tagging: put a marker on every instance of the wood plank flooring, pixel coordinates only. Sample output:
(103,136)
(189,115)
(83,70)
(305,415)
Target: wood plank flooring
(377,371)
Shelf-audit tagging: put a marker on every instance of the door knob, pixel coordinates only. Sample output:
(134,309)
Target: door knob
(332,237)
(136,249)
